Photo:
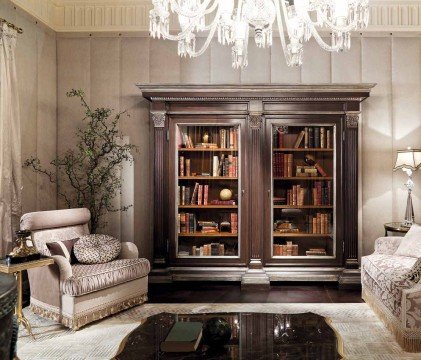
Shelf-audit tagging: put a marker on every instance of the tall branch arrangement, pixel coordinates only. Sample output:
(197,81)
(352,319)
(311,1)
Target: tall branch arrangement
(88,175)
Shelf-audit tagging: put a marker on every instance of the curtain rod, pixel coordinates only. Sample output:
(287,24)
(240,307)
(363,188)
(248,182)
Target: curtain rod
(13,26)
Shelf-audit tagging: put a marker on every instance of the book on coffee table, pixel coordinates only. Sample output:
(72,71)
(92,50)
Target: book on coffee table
(183,337)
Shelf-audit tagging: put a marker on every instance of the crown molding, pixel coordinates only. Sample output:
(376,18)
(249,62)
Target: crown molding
(68,16)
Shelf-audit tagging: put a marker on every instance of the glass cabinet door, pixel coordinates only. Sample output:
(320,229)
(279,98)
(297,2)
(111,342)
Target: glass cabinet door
(207,168)
(303,190)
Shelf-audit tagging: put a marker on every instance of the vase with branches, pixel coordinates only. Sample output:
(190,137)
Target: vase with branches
(88,175)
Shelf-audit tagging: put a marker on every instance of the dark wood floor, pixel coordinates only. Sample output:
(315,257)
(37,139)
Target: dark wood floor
(199,292)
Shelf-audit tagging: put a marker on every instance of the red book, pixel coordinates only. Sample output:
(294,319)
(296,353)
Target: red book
(181,162)
(280,138)
(329,192)
(200,195)
(205,194)
(234,223)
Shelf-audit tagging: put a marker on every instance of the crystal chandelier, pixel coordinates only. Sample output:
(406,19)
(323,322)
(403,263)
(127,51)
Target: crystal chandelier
(233,21)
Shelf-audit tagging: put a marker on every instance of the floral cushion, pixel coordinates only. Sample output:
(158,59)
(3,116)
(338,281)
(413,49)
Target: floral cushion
(96,249)
(90,278)
(387,275)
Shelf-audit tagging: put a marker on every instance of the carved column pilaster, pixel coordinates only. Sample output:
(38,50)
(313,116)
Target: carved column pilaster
(158,119)
(351,191)
(255,122)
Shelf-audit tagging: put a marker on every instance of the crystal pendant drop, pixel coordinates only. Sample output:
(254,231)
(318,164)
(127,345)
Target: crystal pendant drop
(230,21)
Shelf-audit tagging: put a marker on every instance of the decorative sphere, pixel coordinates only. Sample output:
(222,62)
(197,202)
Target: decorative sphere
(225,194)
(216,332)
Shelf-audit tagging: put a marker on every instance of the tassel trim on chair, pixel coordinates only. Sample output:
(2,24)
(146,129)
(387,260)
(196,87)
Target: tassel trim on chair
(77,322)
(408,339)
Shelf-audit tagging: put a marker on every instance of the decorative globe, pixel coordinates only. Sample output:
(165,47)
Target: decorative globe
(216,332)
(225,194)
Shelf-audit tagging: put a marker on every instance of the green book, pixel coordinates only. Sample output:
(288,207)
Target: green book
(183,337)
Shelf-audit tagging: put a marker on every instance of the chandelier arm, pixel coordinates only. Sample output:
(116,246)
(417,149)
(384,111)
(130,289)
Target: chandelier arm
(215,19)
(281,32)
(206,44)
(180,36)
(322,43)
(189,14)
(334,27)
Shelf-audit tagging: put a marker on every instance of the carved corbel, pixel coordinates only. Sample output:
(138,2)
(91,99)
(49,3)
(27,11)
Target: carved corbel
(352,120)
(158,118)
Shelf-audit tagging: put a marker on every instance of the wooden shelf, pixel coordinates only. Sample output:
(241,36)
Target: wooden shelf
(303,207)
(207,257)
(199,234)
(304,178)
(208,206)
(207,178)
(277,234)
(303,257)
(303,150)
(206,150)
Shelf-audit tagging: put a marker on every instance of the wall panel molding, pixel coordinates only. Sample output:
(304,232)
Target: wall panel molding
(133,15)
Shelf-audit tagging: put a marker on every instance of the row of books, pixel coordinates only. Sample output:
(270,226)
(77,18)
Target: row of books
(283,165)
(321,223)
(314,137)
(187,223)
(225,165)
(309,137)
(322,193)
(184,166)
(199,196)
(289,249)
(228,138)
(213,249)
(296,195)
(316,252)
(212,138)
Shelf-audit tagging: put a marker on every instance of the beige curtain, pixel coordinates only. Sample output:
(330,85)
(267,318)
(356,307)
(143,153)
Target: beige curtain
(10,142)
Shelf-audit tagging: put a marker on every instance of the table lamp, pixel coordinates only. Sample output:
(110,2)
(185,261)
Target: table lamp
(408,160)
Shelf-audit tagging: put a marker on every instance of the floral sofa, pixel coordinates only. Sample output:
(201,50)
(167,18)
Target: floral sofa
(78,294)
(391,286)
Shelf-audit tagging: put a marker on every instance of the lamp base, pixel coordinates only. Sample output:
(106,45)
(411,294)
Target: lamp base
(406,224)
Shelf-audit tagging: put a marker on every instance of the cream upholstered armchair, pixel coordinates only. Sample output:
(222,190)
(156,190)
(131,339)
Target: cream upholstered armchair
(78,294)
(391,286)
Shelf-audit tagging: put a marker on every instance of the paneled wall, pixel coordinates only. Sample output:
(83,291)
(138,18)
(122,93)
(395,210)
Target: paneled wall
(108,67)
(36,64)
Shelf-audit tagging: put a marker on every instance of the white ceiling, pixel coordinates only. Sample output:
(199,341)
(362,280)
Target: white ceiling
(398,16)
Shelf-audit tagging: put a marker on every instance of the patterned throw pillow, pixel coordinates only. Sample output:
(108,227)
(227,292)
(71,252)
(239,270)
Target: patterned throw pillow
(411,243)
(63,248)
(97,249)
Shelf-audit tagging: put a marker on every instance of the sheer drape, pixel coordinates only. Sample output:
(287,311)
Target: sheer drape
(10,142)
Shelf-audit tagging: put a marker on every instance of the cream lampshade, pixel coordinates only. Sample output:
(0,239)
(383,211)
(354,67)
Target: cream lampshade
(408,160)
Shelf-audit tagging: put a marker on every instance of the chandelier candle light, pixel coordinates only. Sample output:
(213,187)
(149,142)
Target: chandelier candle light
(233,20)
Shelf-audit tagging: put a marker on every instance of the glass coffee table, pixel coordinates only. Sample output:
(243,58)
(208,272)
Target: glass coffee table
(253,336)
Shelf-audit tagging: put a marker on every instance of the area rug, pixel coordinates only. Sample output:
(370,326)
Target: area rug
(364,335)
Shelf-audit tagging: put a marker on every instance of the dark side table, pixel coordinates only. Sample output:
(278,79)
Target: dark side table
(8,324)
(395,227)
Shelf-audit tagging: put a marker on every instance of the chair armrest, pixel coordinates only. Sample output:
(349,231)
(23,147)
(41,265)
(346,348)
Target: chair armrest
(387,245)
(128,251)
(64,267)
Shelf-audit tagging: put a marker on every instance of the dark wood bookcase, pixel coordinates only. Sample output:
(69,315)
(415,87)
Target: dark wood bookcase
(286,157)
